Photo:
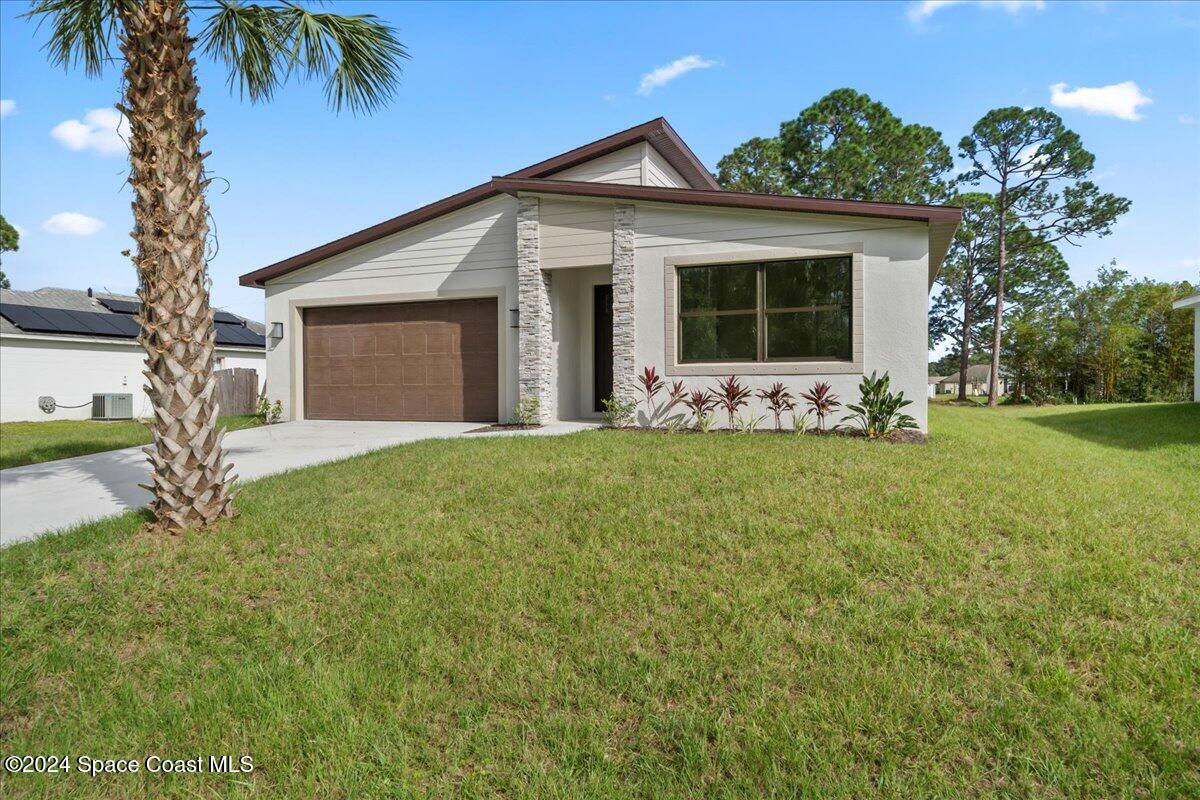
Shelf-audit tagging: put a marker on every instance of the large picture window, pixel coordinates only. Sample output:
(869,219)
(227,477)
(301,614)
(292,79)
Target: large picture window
(795,310)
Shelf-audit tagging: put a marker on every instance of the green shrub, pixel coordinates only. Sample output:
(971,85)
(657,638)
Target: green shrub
(618,413)
(527,412)
(878,410)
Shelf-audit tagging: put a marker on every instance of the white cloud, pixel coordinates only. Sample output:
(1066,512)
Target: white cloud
(1187,119)
(70,223)
(1119,100)
(7,107)
(103,130)
(923,10)
(665,74)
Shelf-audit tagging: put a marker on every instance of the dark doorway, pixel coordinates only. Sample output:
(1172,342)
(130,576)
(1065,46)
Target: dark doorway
(602,345)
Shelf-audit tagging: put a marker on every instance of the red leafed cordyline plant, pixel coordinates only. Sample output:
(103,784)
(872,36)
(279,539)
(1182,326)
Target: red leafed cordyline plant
(731,395)
(779,400)
(822,400)
(651,384)
(701,404)
(675,396)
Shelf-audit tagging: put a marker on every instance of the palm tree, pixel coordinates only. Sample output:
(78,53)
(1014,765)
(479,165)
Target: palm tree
(262,45)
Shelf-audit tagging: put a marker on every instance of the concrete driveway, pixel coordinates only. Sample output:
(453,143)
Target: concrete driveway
(60,494)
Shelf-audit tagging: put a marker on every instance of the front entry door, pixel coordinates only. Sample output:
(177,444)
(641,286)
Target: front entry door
(602,345)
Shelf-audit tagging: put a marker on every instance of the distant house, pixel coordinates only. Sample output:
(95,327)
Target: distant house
(934,382)
(69,344)
(1193,303)
(978,377)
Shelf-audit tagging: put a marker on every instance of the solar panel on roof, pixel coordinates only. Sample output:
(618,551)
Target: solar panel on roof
(25,317)
(62,321)
(225,316)
(42,319)
(110,324)
(124,324)
(121,306)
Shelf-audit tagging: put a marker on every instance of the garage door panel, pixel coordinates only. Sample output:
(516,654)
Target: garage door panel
(387,373)
(387,343)
(418,361)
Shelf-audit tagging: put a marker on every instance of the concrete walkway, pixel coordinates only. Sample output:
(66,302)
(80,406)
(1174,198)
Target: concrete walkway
(61,494)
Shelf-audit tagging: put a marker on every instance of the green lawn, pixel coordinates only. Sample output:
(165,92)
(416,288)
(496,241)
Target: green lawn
(1009,610)
(34,442)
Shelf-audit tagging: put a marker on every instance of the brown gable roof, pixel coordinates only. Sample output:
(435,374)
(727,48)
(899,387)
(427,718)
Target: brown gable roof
(657,132)
(942,220)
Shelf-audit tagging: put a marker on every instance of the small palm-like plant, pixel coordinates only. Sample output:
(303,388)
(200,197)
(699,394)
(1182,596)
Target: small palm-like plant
(701,403)
(675,395)
(651,385)
(732,395)
(878,413)
(779,400)
(261,45)
(821,401)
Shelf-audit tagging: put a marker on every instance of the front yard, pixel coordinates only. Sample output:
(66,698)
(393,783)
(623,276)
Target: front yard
(24,443)
(1011,609)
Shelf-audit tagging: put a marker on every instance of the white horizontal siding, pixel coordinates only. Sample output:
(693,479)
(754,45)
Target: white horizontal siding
(659,171)
(480,237)
(575,234)
(668,225)
(620,166)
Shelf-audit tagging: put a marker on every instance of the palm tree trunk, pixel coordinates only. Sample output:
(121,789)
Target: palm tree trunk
(189,479)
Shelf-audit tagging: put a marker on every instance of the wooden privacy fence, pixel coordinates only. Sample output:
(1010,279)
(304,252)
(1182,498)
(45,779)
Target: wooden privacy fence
(237,390)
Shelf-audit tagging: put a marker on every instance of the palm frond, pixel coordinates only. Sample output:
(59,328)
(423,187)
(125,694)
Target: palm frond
(81,31)
(250,40)
(359,56)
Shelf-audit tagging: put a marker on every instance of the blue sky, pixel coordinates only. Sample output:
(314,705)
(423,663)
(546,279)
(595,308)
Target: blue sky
(492,88)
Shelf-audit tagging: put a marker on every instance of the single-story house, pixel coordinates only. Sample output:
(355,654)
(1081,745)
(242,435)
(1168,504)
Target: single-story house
(979,378)
(561,281)
(1193,302)
(934,382)
(69,344)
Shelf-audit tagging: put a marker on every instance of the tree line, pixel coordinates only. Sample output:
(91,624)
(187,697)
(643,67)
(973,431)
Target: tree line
(1004,291)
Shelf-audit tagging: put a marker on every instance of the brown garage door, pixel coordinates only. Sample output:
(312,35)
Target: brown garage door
(418,361)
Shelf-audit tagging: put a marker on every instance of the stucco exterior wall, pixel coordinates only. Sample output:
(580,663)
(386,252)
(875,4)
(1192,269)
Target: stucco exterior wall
(895,292)
(72,371)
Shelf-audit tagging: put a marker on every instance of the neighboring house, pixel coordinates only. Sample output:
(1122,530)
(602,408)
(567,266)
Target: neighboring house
(934,383)
(978,381)
(563,280)
(1193,303)
(70,344)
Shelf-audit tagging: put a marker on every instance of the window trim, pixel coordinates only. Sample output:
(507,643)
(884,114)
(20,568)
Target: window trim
(783,366)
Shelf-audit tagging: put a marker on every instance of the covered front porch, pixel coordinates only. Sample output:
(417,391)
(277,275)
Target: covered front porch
(575,313)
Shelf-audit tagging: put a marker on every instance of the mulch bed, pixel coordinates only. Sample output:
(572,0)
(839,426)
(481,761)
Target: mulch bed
(896,437)
(504,426)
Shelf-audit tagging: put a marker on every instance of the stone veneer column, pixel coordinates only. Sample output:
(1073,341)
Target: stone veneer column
(534,343)
(624,366)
